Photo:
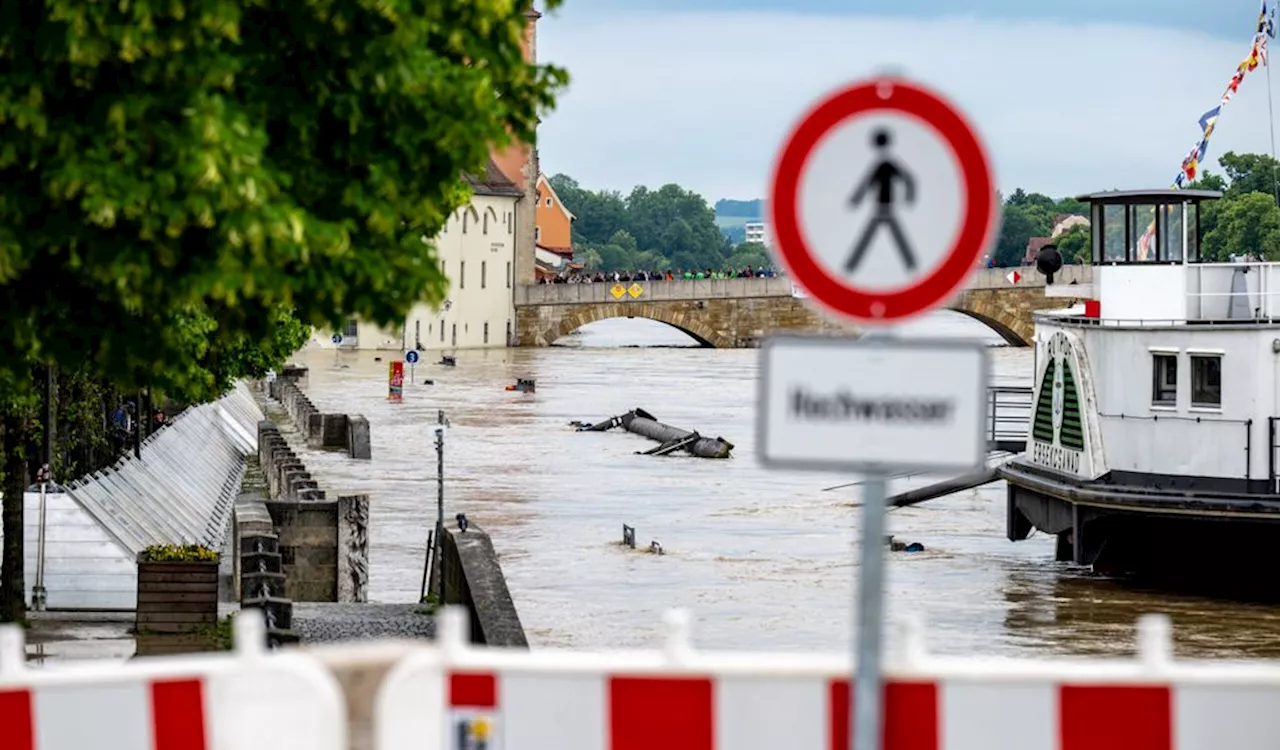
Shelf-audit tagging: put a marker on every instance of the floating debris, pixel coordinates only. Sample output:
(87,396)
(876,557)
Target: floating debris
(670,439)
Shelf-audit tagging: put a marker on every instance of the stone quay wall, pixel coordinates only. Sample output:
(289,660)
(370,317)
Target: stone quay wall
(473,578)
(323,543)
(348,432)
(259,579)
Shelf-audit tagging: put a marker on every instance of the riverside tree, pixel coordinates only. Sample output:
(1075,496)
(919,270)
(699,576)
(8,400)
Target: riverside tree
(175,175)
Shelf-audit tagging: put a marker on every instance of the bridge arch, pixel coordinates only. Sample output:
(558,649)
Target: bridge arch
(1009,312)
(1004,329)
(581,315)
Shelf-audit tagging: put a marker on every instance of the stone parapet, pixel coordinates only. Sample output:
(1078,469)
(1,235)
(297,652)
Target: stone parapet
(320,430)
(323,544)
(473,578)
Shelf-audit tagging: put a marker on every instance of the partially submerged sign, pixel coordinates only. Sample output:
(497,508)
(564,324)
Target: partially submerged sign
(872,405)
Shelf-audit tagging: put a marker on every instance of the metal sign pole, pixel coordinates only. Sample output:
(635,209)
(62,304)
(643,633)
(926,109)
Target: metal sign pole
(440,503)
(39,596)
(866,703)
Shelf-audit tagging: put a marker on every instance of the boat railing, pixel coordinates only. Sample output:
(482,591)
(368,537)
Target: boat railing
(1245,426)
(1008,417)
(1081,320)
(1273,445)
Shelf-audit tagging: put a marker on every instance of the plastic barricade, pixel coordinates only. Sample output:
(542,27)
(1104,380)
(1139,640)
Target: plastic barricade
(458,697)
(245,700)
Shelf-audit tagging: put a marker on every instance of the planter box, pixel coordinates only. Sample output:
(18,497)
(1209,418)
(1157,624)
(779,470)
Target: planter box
(177,597)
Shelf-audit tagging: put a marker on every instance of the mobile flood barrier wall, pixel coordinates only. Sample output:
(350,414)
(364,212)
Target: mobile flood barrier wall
(180,491)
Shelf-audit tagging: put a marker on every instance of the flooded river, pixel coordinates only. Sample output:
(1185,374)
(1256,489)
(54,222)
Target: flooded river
(763,559)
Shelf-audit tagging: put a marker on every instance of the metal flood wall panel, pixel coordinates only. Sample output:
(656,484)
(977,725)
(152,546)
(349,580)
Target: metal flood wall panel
(181,490)
(85,568)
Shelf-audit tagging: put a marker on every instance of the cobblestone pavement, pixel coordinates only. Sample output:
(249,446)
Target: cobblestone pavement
(316,622)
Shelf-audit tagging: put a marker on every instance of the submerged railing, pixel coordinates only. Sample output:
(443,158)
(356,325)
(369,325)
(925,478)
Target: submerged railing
(1008,417)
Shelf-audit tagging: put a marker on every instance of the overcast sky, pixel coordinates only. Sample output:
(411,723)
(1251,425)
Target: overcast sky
(1071,97)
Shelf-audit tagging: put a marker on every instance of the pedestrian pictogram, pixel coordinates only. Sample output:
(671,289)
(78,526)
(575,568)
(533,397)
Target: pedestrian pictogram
(883,178)
(635,290)
(618,291)
(882,201)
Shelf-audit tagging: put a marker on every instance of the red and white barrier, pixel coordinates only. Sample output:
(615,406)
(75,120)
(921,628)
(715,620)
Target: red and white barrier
(246,700)
(465,698)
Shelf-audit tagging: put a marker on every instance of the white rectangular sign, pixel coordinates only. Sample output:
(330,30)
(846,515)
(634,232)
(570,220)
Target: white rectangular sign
(872,404)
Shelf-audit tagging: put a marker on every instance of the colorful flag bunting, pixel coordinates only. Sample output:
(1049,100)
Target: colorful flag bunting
(1209,120)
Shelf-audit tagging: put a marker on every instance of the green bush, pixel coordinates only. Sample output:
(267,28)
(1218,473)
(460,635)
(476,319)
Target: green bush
(178,553)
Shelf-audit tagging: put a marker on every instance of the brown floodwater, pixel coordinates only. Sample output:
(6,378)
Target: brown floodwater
(763,559)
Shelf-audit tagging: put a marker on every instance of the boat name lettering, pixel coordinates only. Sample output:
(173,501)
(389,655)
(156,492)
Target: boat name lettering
(1056,457)
(843,405)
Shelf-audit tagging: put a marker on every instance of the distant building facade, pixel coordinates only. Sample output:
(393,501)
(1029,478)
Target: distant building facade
(755,231)
(553,232)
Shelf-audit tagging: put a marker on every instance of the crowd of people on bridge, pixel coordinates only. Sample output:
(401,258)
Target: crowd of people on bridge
(612,277)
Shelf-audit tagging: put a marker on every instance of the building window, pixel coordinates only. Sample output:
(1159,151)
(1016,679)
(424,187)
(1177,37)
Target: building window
(486,332)
(511,223)
(510,341)
(486,222)
(548,203)
(462,274)
(537,234)
(352,329)
(1164,379)
(508,274)
(454,334)
(442,331)
(417,334)
(1206,380)
(483,275)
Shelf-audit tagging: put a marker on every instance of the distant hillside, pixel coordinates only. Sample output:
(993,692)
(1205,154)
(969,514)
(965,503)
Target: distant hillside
(731,215)
(745,209)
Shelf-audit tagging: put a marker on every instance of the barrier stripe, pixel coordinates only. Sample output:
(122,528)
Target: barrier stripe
(473,690)
(177,715)
(672,713)
(996,716)
(1115,717)
(15,720)
(910,713)
(558,711)
(789,713)
(1200,717)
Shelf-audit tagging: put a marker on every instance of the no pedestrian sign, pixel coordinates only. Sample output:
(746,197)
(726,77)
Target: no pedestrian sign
(882,201)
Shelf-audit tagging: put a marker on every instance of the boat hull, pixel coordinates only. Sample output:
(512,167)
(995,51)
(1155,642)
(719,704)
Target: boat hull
(1149,526)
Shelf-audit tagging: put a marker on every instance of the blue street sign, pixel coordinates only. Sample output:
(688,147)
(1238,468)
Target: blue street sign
(411,357)
(337,338)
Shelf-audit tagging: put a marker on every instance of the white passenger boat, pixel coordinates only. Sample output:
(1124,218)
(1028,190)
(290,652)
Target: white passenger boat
(1152,440)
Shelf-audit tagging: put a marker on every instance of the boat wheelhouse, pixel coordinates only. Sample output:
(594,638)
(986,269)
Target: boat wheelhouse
(1152,440)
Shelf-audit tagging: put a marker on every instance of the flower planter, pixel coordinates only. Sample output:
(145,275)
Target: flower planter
(176,596)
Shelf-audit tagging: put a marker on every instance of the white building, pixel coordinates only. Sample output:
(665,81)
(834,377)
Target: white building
(477,253)
(755,232)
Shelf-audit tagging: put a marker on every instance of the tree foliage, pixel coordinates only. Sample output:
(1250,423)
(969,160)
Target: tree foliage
(234,157)
(667,228)
(184,187)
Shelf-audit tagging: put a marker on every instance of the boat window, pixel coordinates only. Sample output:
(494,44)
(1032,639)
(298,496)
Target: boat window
(1193,231)
(1142,233)
(1206,380)
(1164,379)
(1113,231)
(1171,232)
(1095,254)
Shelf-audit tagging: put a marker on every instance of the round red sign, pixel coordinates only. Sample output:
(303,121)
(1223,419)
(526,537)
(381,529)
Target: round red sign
(882,201)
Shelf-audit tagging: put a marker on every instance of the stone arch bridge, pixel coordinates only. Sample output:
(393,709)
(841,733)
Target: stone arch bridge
(737,313)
